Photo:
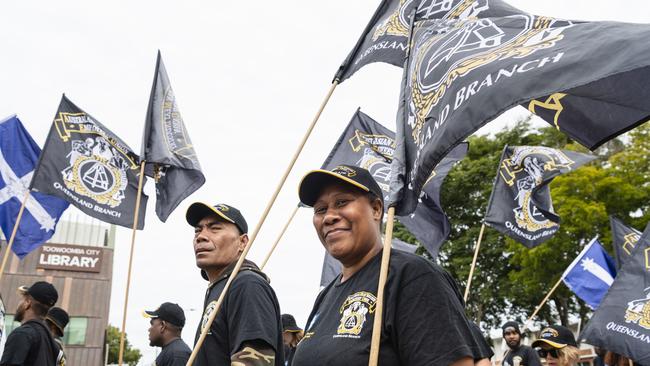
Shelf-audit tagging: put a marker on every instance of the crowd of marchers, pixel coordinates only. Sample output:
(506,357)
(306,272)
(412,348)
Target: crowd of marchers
(424,321)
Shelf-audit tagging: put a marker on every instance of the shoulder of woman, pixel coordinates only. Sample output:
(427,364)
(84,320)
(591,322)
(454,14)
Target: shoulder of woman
(410,266)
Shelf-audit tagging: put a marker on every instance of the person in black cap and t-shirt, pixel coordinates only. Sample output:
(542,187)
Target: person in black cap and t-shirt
(247,330)
(517,355)
(424,320)
(167,323)
(56,320)
(291,336)
(32,343)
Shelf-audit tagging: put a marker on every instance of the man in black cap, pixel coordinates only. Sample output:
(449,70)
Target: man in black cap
(167,323)
(517,355)
(32,343)
(247,330)
(56,320)
(291,335)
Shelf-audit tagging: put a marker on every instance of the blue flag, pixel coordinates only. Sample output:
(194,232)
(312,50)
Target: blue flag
(591,274)
(18,157)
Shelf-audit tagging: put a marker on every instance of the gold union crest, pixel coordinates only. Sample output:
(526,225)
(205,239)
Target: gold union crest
(354,311)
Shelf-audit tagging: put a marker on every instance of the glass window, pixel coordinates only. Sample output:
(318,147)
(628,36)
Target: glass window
(10,324)
(75,332)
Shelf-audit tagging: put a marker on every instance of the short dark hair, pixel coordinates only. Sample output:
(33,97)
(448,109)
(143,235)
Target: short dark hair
(372,198)
(39,308)
(173,327)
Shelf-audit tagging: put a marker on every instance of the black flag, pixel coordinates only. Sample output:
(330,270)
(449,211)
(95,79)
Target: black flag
(167,150)
(428,214)
(368,144)
(621,323)
(385,38)
(520,205)
(624,239)
(589,78)
(87,165)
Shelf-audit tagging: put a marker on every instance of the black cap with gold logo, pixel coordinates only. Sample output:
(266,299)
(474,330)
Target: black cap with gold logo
(315,181)
(556,336)
(199,210)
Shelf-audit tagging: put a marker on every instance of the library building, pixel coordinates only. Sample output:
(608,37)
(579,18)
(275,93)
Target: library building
(78,261)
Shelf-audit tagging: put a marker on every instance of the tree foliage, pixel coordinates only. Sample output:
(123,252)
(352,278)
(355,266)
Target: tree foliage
(510,280)
(131,355)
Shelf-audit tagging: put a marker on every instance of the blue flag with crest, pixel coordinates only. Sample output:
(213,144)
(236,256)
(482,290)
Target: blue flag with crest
(591,274)
(18,157)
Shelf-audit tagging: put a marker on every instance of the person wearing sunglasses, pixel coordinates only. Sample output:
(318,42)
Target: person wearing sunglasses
(558,346)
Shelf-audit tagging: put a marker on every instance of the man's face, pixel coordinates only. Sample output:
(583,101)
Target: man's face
(23,305)
(155,333)
(512,338)
(217,243)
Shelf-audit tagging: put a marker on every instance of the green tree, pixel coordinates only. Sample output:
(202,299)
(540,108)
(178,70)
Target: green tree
(510,280)
(131,355)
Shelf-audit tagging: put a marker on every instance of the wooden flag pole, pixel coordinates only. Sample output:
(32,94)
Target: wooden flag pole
(539,307)
(5,259)
(471,270)
(240,261)
(383,276)
(128,277)
(284,229)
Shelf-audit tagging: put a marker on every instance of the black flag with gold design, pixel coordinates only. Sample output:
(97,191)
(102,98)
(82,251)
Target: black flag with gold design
(461,74)
(368,144)
(167,149)
(621,323)
(624,239)
(385,38)
(520,205)
(87,165)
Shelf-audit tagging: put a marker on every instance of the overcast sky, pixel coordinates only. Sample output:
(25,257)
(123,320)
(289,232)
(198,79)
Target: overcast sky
(248,77)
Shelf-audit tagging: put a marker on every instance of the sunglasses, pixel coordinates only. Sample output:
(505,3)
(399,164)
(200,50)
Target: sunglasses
(543,353)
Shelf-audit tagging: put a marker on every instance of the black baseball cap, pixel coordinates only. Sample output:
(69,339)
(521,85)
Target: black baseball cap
(312,183)
(289,324)
(199,210)
(42,292)
(556,336)
(169,312)
(510,325)
(59,318)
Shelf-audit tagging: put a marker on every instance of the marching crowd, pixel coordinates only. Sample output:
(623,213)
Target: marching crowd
(424,321)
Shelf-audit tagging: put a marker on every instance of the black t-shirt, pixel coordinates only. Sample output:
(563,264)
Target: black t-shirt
(522,356)
(30,344)
(174,353)
(424,321)
(250,312)
(485,351)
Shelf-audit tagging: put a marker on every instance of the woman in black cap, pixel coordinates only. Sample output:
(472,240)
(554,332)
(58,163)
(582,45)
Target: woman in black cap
(424,321)
(558,346)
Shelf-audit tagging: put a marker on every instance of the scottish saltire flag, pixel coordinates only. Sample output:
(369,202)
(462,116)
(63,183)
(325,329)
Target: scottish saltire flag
(167,149)
(591,274)
(385,38)
(18,156)
(587,79)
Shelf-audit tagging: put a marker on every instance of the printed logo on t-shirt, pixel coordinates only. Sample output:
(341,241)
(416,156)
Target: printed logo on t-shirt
(354,311)
(206,314)
(516,361)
